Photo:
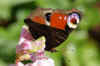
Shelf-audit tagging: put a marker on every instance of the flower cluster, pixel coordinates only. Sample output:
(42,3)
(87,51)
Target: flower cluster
(31,49)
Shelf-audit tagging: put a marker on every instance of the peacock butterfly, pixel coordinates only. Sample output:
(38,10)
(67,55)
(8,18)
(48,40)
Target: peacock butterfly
(54,24)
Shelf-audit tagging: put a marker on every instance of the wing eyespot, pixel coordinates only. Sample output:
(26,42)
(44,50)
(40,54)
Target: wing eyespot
(73,20)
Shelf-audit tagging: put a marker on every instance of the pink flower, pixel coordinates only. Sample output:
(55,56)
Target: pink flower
(26,45)
(26,34)
(30,49)
(40,62)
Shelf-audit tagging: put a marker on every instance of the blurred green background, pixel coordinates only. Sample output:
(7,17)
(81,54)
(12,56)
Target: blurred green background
(78,50)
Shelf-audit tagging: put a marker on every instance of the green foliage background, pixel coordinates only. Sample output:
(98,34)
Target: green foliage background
(78,50)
